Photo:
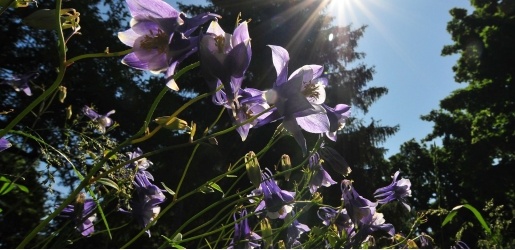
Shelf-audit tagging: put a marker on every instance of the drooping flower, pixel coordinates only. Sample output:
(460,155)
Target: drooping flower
(243,237)
(276,202)
(337,117)
(340,219)
(397,190)
(145,205)
(251,103)
(320,177)
(300,95)
(335,160)
(4,144)
(82,214)
(294,231)
(160,37)
(103,121)
(225,58)
(21,82)
(140,165)
(363,214)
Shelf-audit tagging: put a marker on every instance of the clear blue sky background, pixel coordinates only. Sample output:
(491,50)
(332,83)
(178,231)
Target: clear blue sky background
(404,40)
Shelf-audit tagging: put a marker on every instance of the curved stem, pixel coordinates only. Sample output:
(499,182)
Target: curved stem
(185,171)
(97,55)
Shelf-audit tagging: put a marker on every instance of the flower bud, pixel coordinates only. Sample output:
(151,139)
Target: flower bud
(266,232)
(62,93)
(281,245)
(286,165)
(173,123)
(253,169)
(411,244)
(69,112)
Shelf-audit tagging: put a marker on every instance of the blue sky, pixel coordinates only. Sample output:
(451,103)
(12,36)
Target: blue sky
(404,40)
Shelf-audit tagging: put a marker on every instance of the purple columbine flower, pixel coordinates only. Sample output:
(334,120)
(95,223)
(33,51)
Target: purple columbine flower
(225,58)
(397,190)
(140,165)
(340,219)
(4,144)
(363,214)
(160,37)
(300,95)
(294,231)
(320,177)
(243,237)
(144,206)
(251,103)
(103,121)
(82,214)
(21,82)
(337,117)
(276,202)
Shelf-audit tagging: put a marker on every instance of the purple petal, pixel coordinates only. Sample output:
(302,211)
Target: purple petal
(280,58)
(4,144)
(151,8)
(315,123)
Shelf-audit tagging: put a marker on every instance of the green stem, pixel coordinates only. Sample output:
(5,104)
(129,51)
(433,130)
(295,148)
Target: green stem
(185,171)
(53,87)
(97,55)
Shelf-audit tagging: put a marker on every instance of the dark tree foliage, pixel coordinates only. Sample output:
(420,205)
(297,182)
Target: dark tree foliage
(300,26)
(476,160)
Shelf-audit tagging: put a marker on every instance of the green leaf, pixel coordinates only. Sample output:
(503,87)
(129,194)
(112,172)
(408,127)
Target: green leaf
(6,188)
(22,188)
(170,191)
(108,182)
(476,213)
(206,189)
(217,188)
(231,176)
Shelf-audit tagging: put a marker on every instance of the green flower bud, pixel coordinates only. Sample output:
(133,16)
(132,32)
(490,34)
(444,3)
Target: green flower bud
(266,232)
(173,123)
(62,93)
(411,244)
(286,165)
(69,112)
(281,245)
(253,169)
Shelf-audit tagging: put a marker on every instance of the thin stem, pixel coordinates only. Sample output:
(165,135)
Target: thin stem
(53,87)
(185,171)
(98,55)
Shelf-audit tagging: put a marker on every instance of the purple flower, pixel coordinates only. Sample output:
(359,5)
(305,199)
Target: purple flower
(160,37)
(336,161)
(103,121)
(337,117)
(276,202)
(340,219)
(141,165)
(21,82)
(144,206)
(82,214)
(397,190)
(320,177)
(363,214)
(225,58)
(243,237)
(251,103)
(4,144)
(298,96)
(294,231)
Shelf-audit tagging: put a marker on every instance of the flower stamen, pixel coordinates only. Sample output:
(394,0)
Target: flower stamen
(158,41)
